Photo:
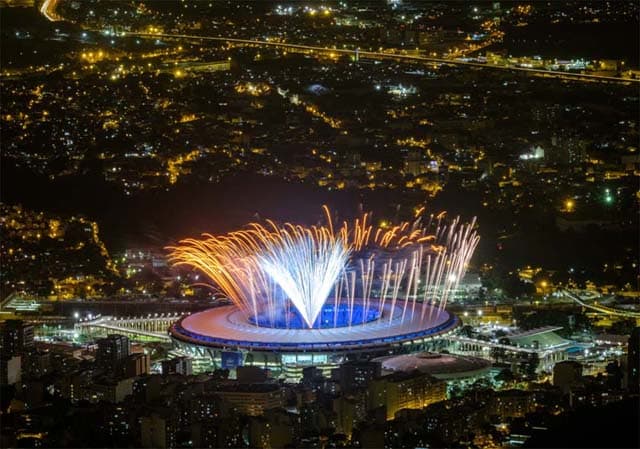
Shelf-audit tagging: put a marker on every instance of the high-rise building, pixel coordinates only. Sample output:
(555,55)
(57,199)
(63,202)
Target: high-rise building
(354,375)
(112,350)
(633,361)
(17,337)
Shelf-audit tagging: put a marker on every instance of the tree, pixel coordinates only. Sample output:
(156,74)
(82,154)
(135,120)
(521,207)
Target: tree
(466,331)
(506,376)
(499,353)
(623,327)
(516,288)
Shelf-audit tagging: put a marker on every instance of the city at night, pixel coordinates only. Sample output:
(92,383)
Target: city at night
(319,224)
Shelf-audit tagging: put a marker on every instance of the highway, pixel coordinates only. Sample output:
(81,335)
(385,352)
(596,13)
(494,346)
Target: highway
(148,327)
(601,308)
(48,10)
(382,55)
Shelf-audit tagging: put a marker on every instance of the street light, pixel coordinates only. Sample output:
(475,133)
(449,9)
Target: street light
(569,205)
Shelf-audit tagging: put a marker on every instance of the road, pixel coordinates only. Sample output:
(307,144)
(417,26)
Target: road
(602,308)
(48,9)
(381,55)
(49,6)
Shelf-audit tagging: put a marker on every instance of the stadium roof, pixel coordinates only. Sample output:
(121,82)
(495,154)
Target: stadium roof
(227,326)
(542,338)
(441,366)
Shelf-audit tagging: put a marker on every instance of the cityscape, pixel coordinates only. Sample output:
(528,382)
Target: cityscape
(319,224)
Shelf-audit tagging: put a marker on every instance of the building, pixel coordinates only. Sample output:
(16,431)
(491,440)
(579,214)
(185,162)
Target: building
(349,410)
(178,365)
(397,391)
(204,434)
(414,163)
(287,351)
(312,377)
(112,350)
(137,365)
(567,375)
(219,432)
(251,399)
(354,375)
(455,370)
(451,424)
(10,370)
(148,388)
(37,364)
(213,66)
(536,349)
(633,361)
(17,337)
(158,430)
(116,423)
(370,435)
(109,390)
(512,403)
(250,374)
(275,429)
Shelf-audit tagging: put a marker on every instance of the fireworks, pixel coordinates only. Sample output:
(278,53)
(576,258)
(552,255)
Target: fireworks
(333,277)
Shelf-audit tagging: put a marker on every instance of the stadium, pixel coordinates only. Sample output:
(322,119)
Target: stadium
(319,296)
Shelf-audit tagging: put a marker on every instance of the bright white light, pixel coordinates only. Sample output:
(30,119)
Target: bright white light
(76,315)
(306,269)
(452,278)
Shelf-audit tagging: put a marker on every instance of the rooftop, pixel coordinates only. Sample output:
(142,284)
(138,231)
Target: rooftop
(442,366)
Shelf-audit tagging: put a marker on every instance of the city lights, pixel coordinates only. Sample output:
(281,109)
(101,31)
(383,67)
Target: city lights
(171,279)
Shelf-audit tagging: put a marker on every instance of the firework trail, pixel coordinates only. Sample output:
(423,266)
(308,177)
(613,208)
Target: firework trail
(268,269)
